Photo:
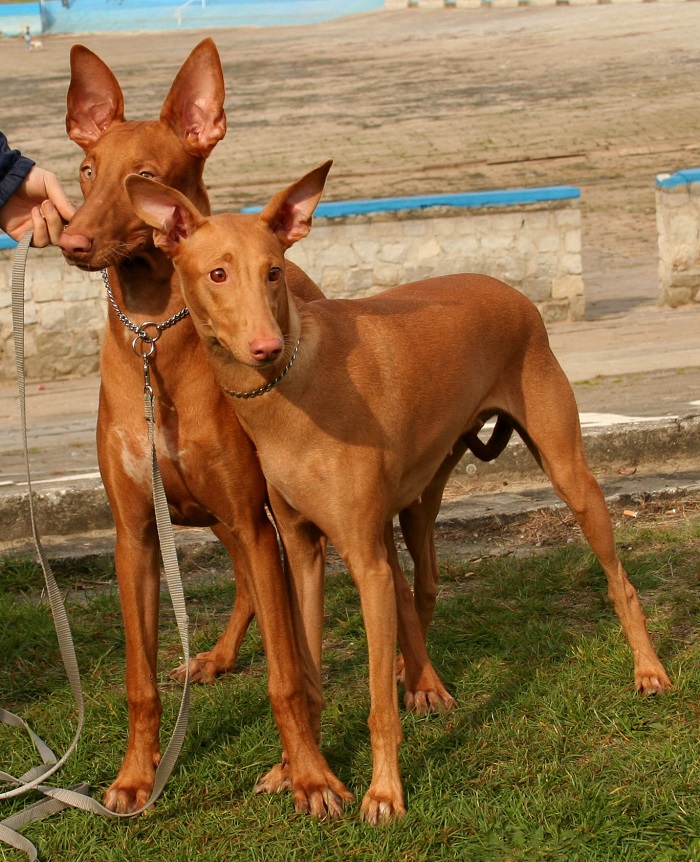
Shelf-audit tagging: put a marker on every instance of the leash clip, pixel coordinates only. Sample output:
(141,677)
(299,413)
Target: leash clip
(147,388)
(144,345)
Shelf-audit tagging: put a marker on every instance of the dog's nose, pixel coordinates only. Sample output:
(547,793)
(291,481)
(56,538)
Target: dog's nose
(75,244)
(265,349)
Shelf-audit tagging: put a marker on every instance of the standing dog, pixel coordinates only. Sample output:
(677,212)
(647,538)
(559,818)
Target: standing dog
(210,471)
(361,402)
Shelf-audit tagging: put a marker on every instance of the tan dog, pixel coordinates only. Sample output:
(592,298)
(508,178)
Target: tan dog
(361,402)
(211,474)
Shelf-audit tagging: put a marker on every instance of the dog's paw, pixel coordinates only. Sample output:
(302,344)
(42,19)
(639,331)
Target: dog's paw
(323,799)
(652,683)
(128,792)
(433,700)
(378,809)
(275,781)
(204,668)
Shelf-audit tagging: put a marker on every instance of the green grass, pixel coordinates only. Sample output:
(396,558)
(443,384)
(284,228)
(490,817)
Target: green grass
(549,756)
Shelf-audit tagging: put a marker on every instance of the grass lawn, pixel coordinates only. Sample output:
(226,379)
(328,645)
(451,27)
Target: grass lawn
(549,756)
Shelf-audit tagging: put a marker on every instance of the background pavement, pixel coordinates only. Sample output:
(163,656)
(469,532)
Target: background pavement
(636,377)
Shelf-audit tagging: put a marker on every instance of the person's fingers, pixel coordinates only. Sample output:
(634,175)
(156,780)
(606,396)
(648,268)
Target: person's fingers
(41,232)
(53,220)
(57,195)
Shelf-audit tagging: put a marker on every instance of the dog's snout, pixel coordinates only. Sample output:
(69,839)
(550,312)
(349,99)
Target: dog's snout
(75,244)
(265,349)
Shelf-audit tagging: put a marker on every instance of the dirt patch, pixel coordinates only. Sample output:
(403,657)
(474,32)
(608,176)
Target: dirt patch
(417,101)
(556,528)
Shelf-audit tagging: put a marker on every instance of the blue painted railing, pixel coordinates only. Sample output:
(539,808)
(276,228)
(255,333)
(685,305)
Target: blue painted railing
(680,178)
(473,200)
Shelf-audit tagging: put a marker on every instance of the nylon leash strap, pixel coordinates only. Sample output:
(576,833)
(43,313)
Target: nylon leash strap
(59,798)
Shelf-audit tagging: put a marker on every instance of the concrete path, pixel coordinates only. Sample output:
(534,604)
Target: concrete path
(636,377)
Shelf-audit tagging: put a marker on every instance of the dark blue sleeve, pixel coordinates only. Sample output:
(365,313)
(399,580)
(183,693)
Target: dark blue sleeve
(14,167)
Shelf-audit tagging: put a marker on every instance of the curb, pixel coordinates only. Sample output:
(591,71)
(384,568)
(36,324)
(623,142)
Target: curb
(75,509)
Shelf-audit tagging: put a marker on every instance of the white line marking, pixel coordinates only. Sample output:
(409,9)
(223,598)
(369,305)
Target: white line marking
(591,420)
(63,478)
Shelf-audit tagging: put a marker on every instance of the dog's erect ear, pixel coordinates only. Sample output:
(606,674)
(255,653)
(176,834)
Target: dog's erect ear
(194,107)
(95,99)
(289,213)
(171,214)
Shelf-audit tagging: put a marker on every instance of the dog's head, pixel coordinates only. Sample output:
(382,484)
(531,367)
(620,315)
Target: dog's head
(232,266)
(171,149)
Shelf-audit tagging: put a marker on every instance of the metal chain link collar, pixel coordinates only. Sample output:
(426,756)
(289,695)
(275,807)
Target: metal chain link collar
(142,336)
(253,393)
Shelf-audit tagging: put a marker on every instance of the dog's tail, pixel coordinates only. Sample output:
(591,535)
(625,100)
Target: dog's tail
(496,443)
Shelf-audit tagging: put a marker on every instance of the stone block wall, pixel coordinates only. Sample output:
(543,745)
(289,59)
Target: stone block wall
(678,223)
(530,238)
(64,313)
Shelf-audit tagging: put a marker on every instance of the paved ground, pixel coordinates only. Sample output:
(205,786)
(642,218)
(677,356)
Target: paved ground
(414,101)
(641,424)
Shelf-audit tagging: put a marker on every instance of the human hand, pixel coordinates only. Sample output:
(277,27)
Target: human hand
(40,202)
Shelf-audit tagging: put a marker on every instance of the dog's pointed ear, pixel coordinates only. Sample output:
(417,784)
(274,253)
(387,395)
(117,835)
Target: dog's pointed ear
(289,213)
(95,99)
(171,215)
(194,107)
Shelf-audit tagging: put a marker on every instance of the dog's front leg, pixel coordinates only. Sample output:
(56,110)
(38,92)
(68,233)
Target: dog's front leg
(138,574)
(370,569)
(316,790)
(305,562)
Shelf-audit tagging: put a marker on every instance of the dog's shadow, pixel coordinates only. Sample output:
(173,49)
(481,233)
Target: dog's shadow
(514,634)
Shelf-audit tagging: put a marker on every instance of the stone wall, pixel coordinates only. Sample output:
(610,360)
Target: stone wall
(64,313)
(530,238)
(678,222)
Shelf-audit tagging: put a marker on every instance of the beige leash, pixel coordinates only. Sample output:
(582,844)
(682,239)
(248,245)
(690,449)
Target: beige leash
(34,779)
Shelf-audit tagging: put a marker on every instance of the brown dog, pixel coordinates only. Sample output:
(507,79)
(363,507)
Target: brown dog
(360,403)
(211,474)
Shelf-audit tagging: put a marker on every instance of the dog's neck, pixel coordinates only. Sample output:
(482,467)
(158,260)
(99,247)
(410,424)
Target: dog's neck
(146,287)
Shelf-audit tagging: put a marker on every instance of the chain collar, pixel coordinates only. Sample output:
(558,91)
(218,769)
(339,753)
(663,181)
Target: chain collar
(253,393)
(143,345)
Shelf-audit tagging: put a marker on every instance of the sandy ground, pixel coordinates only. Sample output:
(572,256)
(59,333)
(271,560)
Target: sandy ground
(414,101)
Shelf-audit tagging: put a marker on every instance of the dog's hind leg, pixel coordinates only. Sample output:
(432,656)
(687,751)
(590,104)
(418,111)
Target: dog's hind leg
(221,658)
(418,520)
(424,691)
(552,431)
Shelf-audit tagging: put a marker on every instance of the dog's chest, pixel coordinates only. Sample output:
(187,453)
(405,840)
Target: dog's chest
(184,484)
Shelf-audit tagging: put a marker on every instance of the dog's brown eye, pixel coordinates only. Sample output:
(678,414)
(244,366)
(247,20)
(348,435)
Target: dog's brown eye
(218,276)
(275,273)
(86,172)
(147,174)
